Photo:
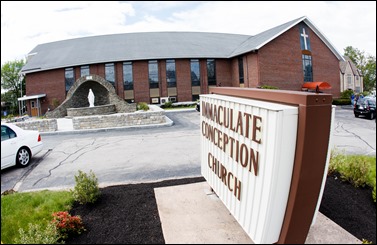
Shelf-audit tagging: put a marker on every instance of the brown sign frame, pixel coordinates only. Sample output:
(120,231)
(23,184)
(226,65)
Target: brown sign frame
(313,135)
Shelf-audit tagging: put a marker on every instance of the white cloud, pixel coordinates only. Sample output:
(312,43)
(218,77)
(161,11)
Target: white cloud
(24,25)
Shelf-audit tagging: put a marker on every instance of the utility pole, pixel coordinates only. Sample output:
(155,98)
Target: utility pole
(21,109)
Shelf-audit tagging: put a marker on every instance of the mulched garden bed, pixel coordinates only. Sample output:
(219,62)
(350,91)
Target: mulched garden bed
(128,214)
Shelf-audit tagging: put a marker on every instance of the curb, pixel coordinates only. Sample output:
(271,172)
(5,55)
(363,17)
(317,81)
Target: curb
(168,123)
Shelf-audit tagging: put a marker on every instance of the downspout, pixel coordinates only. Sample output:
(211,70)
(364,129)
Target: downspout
(38,107)
(258,67)
(247,72)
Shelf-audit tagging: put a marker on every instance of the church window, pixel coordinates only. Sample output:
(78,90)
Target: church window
(170,74)
(195,72)
(69,78)
(153,73)
(307,68)
(211,71)
(128,82)
(110,73)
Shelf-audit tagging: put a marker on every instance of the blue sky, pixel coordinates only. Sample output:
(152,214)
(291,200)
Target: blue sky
(24,25)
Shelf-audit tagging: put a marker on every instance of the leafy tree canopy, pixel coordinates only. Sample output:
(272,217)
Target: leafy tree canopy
(11,75)
(12,81)
(366,64)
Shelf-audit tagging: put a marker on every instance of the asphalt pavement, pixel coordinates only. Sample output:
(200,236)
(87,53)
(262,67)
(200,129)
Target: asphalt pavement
(195,199)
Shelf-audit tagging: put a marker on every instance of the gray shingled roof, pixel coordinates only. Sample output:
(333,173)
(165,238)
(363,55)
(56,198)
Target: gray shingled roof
(132,46)
(355,71)
(152,45)
(258,41)
(343,66)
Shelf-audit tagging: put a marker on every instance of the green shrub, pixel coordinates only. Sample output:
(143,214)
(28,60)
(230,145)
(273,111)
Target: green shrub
(86,189)
(341,101)
(268,87)
(142,106)
(167,104)
(39,235)
(365,241)
(346,94)
(352,169)
(358,170)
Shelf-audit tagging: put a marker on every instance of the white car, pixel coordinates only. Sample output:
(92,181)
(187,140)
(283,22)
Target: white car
(18,146)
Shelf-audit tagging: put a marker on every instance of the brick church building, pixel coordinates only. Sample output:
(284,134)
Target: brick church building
(154,67)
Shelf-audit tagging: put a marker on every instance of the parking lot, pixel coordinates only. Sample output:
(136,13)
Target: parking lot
(150,154)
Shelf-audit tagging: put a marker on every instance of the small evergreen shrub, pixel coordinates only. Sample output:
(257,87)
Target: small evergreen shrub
(86,189)
(39,235)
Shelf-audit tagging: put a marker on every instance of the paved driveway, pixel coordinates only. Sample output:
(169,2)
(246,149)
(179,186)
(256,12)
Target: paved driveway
(150,154)
(116,157)
(353,135)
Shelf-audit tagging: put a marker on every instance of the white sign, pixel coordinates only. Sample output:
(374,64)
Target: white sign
(247,154)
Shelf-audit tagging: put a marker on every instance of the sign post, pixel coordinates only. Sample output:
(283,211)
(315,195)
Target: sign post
(264,153)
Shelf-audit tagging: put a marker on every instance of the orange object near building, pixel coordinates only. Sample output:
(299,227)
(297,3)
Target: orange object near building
(313,85)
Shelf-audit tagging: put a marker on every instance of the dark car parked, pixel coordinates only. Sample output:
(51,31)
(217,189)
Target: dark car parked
(366,107)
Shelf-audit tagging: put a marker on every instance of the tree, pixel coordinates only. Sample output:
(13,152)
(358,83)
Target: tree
(10,106)
(13,82)
(366,64)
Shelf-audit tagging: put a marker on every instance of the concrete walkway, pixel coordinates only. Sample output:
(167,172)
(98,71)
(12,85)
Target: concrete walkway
(192,214)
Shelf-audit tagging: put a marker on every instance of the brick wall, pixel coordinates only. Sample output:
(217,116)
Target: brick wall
(162,76)
(183,73)
(280,63)
(141,83)
(325,65)
(252,76)
(98,69)
(119,88)
(235,82)
(223,72)
(51,83)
